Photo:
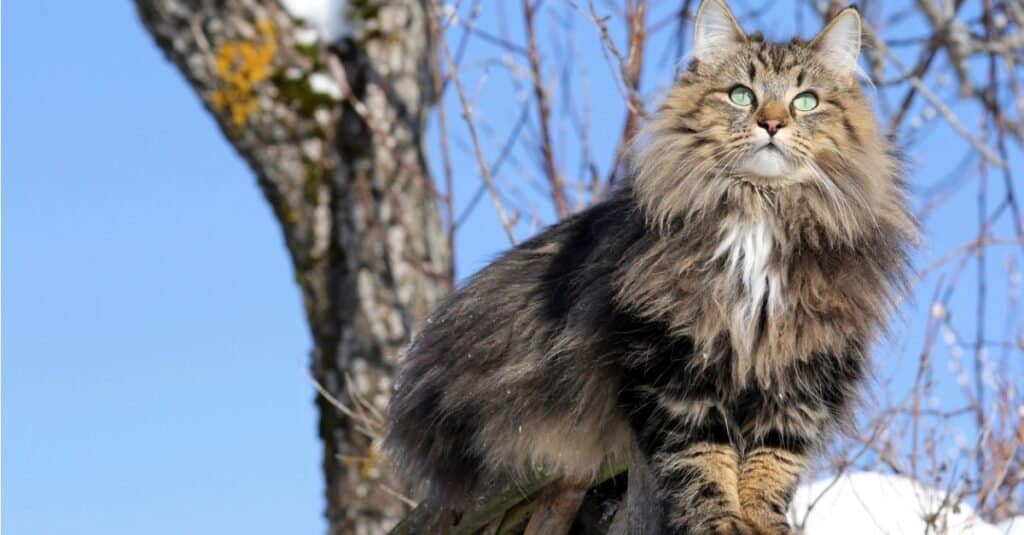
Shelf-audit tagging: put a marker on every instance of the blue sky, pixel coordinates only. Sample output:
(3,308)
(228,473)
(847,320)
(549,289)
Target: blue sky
(154,349)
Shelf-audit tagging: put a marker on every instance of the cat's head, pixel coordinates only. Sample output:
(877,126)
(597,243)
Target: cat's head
(752,115)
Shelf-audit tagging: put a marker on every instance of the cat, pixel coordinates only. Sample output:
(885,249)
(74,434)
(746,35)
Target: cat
(718,309)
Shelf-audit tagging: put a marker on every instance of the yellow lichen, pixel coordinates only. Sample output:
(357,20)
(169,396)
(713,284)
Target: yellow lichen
(241,66)
(368,465)
(372,461)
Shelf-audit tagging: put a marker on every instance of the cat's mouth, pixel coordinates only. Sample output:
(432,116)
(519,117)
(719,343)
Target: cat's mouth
(768,160)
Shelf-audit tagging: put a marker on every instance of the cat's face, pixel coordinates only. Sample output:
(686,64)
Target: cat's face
(784,117)
(771,109)
(775,108)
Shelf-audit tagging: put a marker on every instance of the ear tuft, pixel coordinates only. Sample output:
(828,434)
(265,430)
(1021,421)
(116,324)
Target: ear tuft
(839,42)
(715,31)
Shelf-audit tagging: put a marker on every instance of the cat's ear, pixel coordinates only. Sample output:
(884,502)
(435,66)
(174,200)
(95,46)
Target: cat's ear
(839,42)
(715,31)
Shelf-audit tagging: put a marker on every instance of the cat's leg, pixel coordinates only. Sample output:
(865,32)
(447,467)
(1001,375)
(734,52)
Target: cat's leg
(768,479)
(785,425)
(779,434)
(693,460)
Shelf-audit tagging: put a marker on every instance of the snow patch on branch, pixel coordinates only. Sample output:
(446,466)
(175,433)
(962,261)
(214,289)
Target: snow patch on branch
(327,17)
(325,85)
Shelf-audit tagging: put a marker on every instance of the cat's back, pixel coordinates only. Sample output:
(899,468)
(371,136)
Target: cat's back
(503,360)
(553,281)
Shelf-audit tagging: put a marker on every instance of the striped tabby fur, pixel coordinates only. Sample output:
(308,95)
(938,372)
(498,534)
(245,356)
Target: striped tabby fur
(719,308)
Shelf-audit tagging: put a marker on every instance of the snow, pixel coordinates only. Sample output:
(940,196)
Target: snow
(327,17)
(1013,526)
(866,503)
(325,85)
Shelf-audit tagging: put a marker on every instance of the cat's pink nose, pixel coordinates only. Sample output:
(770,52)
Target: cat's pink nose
(771,125)
(773,117)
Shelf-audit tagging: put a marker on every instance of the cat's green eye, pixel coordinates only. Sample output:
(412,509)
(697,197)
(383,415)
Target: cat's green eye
(805,101)
(741,96)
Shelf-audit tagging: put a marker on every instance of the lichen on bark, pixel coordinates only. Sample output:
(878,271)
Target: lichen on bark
(361,224)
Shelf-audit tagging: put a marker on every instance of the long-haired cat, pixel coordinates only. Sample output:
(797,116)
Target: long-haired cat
(719,308)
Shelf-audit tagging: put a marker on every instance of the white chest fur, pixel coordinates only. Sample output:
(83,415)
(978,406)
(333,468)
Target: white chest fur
(747,248)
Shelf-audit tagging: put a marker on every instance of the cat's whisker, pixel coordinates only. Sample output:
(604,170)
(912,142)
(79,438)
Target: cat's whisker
(829,188)
(724,164)
(854,190)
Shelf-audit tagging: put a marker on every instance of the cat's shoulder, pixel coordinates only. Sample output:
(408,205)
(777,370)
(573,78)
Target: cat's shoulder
(609,223)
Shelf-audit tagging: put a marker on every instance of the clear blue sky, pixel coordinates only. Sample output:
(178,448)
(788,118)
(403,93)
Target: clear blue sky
(154,349)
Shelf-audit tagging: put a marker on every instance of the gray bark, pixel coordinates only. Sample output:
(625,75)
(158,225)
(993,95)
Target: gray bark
(349,186)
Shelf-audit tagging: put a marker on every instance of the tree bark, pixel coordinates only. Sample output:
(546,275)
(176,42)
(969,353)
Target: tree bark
(345,175)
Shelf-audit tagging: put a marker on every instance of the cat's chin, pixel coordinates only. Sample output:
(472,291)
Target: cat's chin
(768,162)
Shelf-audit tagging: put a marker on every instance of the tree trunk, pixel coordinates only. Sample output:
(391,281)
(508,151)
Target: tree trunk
(334,137)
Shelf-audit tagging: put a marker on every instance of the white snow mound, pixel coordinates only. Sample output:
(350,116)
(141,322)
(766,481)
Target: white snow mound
(1013,526)
(866,503)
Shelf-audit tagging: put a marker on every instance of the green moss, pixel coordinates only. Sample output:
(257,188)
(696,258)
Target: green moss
(363,9)
(310,51)
(298,93)
(316,174)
